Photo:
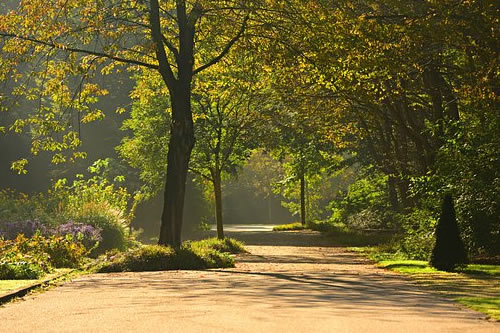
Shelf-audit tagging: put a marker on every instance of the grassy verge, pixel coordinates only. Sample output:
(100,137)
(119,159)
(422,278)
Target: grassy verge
(476,286)
(7,286)
(208,253)
(339,234)
(289,227)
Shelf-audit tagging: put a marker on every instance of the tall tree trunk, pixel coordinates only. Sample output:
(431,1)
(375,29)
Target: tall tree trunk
(179,152)
(270,208)
(218,204)
(302,198)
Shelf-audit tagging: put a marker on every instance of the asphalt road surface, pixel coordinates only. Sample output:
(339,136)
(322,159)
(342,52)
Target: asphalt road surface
(290,282)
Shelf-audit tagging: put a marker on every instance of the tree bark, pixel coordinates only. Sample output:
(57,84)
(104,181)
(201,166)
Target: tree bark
(302,198)
(179,152)
(218,204)
(270,208)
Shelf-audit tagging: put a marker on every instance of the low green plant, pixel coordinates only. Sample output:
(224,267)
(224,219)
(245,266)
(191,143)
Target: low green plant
(226,245)
(345,236)
(30,258)
(20,270)
(289,227)
(487,305)
(209,253)
(322,226)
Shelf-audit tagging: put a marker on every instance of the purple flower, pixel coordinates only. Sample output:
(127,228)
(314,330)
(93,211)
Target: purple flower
(85,233)
(10,229)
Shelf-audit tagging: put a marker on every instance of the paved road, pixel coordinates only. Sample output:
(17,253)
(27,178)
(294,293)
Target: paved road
(284,285)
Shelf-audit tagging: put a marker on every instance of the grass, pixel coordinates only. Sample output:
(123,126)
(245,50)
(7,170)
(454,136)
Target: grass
(289,227)
(7,286)
(487,305)
(208,253)
(476,286)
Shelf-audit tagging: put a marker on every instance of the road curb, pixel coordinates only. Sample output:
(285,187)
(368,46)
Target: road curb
(25,290)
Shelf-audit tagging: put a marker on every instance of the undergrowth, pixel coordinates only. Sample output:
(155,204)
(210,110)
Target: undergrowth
(208,253)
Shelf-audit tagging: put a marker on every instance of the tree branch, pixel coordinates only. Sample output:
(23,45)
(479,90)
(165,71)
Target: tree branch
(199,173)
(226,49)
(78,50)
(163,64)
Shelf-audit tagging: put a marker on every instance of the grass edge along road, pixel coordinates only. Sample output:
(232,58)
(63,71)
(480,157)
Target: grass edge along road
(472,286)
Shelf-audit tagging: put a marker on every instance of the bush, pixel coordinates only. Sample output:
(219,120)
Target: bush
(191,255)
(15,206)
(17,263)
(86,234)
(227,245)
(64,251)
(10,229)
(20,270)
(114,230)
(418,238)
(144,258)
(289,227)
(31,257)
(322,226)
(449,251)
(365,219)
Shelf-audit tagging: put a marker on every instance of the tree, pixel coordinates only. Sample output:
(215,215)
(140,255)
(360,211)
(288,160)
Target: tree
(225,126)
(449,251)
(177,39)
(225,122)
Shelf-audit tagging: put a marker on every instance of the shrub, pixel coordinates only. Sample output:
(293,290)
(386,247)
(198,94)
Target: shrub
(418,238)
(88,235)
(191,255)
(365,219)
(114,227)
(144,258)
(322,226)
(449,251)
(227,245)
(38,254)
(15,206)
(20,270)
(289,227)
(17,263)
(10,229)
(64,251)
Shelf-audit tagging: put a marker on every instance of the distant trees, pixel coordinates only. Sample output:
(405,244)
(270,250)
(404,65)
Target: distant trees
(226,128)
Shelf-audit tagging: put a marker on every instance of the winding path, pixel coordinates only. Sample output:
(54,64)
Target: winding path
(290,282)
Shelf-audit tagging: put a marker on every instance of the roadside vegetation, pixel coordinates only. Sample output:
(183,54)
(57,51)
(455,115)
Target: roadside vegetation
(475,285)
(85,225)
(289,227)
(209,253)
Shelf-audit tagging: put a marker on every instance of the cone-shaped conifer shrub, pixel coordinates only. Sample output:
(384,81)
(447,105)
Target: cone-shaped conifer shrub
(449,251)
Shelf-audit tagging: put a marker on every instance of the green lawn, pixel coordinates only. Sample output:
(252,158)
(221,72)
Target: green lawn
(7,286)
(476,286)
